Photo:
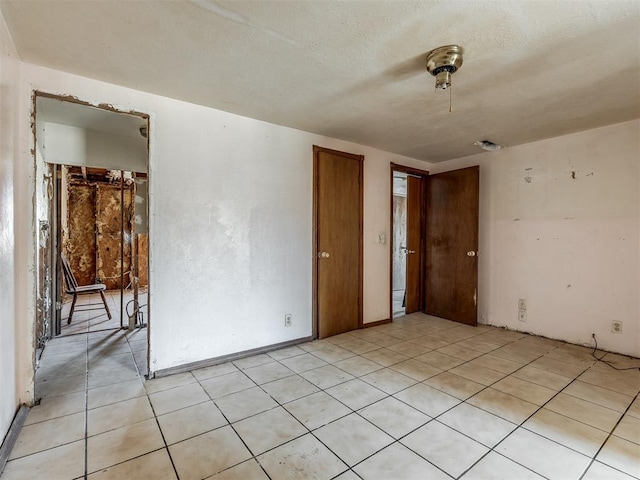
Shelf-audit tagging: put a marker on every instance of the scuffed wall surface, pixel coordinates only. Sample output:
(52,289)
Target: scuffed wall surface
(216,179)
(559,227)
(10,390)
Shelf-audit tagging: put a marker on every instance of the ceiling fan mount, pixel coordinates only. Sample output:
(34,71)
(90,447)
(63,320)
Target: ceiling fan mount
(443,62)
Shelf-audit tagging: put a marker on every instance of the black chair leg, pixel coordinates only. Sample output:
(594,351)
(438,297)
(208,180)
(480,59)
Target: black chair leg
(73,306)
(106,307)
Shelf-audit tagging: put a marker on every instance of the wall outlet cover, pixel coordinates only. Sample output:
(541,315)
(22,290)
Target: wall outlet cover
(522,304)
(288,320)
(522,315)
(616,326)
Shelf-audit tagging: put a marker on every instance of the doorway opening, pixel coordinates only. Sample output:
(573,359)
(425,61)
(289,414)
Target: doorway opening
(407,240)
(399,263)
(102,246)
(92,207)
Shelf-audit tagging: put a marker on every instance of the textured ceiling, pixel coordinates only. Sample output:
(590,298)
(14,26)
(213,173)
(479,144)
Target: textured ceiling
(355,70)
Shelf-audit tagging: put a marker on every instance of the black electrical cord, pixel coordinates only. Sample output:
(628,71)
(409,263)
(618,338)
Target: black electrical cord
(600,359)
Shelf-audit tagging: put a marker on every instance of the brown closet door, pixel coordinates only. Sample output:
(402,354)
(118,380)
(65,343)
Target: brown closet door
(452,245)
(338,232)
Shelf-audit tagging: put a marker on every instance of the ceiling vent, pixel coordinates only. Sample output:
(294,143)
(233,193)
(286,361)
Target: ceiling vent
(487,145)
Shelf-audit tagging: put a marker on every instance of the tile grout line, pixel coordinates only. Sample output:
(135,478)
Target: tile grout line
(460,402)
(521,425)
(593,459)
(352,411)
(465,401)
(324,390)
(164,440)
(388,395)
(254,457)
(86,409)
(392,395)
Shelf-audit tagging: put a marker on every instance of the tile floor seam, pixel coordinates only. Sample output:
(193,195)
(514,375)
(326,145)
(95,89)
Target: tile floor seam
(465,401)
(254,457)
(593,459)
(311,431)
(342,473)
(127,460)
(580,421)
(86,411)
(594,403)
(416,453)
(520,425)
(596,385)
(368,421)
(164,440)
(511,460)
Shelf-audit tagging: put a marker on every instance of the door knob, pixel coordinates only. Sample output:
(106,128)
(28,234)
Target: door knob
(471,253)
(411,251)
(323,255)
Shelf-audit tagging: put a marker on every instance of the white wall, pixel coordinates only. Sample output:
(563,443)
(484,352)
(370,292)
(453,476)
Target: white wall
(9,77)
(230,223)
(569,246)
(231,213)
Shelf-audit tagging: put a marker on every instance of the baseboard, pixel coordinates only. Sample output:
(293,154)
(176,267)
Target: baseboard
(375,324)
(12,435)
(228,358)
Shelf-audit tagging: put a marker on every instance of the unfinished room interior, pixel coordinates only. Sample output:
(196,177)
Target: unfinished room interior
(319,240)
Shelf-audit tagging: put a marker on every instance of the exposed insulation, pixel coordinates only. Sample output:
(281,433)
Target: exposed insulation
(81,243)
(143,259)
(108,224)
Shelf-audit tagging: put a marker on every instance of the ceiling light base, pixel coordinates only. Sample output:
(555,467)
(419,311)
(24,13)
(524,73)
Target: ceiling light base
(442,62)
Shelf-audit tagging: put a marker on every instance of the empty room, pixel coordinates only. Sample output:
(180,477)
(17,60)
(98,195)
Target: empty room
(326,240)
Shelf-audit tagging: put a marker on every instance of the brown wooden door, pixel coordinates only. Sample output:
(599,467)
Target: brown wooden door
(414,244)
(452,245)
(338,241)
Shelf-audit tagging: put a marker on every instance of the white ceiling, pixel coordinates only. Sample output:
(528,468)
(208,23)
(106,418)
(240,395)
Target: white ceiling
(355,70)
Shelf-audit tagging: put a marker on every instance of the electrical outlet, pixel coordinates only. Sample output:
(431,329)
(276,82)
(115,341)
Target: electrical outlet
(522,304)
(288,320)
(522,315)
(616,326)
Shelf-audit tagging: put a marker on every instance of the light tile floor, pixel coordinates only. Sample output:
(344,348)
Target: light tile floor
(420,398)
(84,321)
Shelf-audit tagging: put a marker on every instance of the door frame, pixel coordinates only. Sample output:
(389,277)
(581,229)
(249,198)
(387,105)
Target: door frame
(360,158)
(52,204)
(395,167)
